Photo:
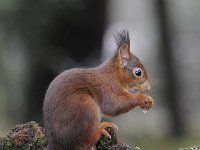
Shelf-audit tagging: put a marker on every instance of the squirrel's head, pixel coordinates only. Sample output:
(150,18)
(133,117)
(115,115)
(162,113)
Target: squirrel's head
(132,73)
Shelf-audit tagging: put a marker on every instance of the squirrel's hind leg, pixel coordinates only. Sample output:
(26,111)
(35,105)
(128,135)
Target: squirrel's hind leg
(97,133)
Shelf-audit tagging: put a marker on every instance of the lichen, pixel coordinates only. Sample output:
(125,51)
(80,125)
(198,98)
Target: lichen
(28,136)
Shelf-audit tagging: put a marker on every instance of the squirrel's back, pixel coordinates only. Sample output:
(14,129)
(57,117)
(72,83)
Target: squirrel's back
(64,106)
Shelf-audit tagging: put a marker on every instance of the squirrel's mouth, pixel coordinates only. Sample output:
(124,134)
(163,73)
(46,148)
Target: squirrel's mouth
(132,90)
(141,88)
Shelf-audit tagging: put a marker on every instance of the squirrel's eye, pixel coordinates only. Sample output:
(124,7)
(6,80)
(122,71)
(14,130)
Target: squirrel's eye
(138,73)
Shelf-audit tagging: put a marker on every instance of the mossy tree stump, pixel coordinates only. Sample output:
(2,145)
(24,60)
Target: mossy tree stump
(30,136)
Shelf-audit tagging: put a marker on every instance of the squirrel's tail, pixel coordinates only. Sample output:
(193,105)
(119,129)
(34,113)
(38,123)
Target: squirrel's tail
(53,145)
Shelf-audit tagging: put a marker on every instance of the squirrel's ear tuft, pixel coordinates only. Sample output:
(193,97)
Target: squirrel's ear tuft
(122,38)
(123,46)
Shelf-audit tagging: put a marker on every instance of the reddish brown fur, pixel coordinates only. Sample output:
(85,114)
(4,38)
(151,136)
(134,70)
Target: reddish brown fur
(70,107)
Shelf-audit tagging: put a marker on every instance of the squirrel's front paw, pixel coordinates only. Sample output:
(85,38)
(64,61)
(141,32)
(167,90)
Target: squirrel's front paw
(146,103)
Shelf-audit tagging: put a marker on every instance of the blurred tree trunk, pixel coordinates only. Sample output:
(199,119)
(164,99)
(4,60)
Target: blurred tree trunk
(59,35)
(173,100)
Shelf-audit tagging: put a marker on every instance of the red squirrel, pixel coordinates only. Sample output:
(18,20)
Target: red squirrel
(72,100)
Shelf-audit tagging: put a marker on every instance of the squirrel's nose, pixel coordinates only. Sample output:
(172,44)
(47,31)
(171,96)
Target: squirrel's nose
(148,86)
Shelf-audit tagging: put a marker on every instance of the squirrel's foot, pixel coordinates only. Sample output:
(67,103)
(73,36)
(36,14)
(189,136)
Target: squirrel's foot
(106,125)
(106,134)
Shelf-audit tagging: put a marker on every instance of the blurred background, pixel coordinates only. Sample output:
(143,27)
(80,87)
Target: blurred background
(40,39)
